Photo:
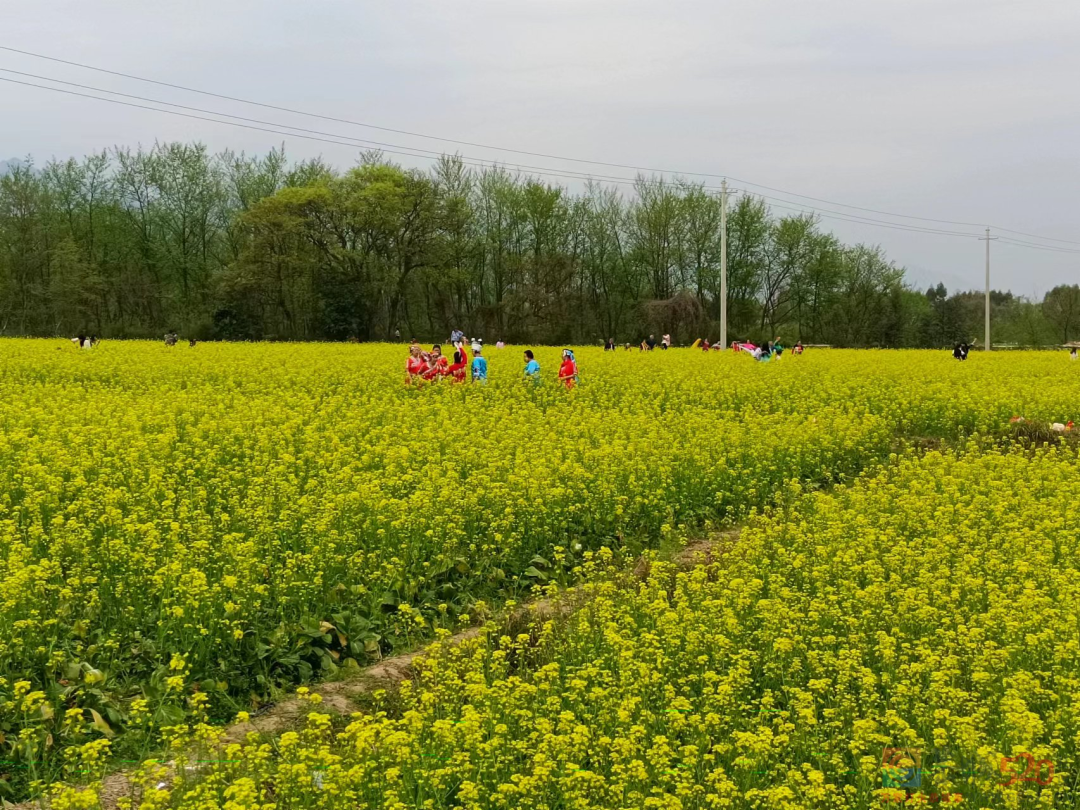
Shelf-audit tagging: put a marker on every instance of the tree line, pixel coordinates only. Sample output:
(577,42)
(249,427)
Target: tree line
(134,242)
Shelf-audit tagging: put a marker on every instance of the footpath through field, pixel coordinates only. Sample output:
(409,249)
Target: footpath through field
(340,697)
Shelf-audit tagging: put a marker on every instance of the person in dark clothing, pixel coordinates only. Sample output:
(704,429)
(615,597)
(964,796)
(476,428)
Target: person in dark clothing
(650,343)
(610,345)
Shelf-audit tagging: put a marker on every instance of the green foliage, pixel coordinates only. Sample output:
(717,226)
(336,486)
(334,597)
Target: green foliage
(131,243)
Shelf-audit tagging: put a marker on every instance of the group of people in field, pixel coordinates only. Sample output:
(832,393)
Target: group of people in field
(769,350)
(171,339)
(765,352)
(646,345)
(433,366)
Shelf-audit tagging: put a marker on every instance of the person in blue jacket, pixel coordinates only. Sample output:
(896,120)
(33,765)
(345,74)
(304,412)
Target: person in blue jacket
(479,365)
(532,368)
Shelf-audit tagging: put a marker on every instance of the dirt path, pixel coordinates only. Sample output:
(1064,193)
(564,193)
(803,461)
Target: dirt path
(339,696)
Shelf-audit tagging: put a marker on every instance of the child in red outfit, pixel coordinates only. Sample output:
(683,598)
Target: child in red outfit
(568,369)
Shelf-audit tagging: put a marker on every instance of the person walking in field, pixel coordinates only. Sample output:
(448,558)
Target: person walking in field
(568,372)
(610,345)
(415,365)
(532,368)
(437,364)
(479,366)
(457,370)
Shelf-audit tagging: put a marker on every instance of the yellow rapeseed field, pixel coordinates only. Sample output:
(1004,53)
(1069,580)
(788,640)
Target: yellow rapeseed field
(931,609)
(184,531)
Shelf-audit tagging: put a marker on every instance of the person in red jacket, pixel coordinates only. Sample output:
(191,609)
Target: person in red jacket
(437,365)
(568,369)
(415,365)
(460,367)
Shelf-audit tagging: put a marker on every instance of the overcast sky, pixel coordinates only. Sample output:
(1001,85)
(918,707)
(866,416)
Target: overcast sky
(953,109)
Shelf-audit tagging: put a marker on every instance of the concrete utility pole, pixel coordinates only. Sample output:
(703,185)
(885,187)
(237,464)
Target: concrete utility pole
(986,337)
(723,264)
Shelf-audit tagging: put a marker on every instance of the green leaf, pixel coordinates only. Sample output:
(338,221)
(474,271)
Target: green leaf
(100,724)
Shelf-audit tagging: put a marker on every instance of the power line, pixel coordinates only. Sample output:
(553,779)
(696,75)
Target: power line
(359,141)
(856,207)
(390,147)
(1036,236)
(806,209)
(468,161)
(868,220)
(480,145)
(350,122)
(316,135)
(1020,243)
